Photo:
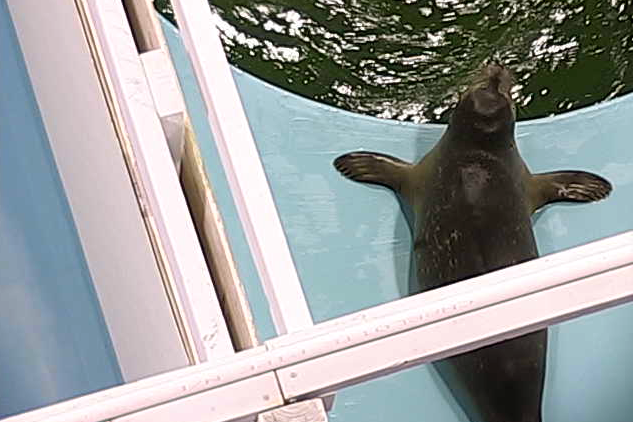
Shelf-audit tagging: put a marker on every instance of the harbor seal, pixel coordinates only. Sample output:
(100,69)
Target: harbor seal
(472,197)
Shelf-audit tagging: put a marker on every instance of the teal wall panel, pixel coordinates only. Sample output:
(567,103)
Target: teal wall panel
(53,340)
(351,243)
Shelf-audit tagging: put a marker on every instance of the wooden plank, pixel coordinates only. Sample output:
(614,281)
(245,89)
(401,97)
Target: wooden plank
(215,245)
(186,278)
(145,27)
(198,191)
(243,167)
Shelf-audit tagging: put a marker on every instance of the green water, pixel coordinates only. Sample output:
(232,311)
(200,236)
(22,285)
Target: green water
(408,59)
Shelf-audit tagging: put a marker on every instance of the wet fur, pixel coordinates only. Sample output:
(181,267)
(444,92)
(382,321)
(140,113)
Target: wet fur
(472,197)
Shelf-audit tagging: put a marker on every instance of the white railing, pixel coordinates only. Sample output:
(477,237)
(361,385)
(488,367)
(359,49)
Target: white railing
(160,194)
(243,167)
(374,342)
(312,360)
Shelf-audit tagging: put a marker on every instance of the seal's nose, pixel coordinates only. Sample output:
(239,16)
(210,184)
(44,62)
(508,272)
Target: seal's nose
(487,103)
(498,78)
(490,97)
(494,75)
(495,68)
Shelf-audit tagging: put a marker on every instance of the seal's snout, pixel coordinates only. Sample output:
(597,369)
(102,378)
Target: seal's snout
(490,92)
(498,78)
(487,105)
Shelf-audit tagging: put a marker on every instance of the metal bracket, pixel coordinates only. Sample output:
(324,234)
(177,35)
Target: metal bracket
(303,411)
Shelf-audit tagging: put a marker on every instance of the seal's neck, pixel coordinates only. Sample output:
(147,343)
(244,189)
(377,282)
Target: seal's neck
(467,133)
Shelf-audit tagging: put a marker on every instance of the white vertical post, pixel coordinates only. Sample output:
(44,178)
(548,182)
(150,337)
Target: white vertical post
(243,167)
(168,101)
(97,184)
(160,195)
(170,104)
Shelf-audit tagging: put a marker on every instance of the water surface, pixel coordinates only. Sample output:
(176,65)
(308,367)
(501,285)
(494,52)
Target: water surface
(408,59)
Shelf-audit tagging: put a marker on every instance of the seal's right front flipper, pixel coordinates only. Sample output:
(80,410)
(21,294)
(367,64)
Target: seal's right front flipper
(376,168)
(574,186)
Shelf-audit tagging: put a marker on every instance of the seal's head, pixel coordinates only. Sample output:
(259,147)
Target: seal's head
(486,108)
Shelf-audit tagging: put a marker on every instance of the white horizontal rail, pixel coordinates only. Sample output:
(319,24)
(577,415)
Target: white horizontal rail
(388,354)
(425,330)
(549,271)
(146,393)
(159,190)
(243,167)
(229,402)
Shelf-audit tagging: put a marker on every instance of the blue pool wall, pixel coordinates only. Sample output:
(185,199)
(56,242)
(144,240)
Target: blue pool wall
(351,243)
(54,343)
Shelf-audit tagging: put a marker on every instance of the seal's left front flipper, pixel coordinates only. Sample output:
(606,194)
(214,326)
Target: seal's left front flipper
(376,168)
(574,186)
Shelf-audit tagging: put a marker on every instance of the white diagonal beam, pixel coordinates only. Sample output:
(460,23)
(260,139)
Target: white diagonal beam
(168,98)
(161,198)
(243,167)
